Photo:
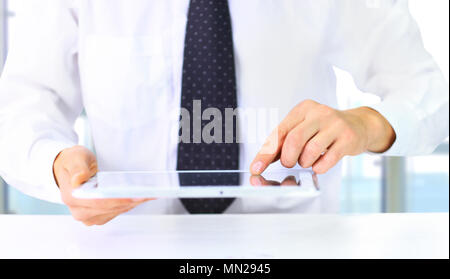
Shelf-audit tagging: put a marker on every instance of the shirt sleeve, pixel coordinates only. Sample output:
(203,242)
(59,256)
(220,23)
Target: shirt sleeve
(379,43)
(39,96)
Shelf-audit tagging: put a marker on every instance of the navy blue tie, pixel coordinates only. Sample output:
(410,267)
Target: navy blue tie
(208,76)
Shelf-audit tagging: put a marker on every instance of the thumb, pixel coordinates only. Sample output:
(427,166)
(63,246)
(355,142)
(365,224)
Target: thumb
(81,177)
(81,169)
(269,153)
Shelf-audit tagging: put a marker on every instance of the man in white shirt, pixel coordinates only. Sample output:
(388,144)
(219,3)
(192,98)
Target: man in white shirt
(123,62)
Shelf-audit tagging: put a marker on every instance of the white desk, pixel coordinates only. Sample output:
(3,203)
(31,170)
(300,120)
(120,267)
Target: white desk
(229,236)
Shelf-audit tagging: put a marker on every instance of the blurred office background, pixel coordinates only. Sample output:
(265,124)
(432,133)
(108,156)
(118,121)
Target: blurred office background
(370,184)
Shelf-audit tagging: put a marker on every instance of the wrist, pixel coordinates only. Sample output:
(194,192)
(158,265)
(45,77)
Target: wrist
(379,133)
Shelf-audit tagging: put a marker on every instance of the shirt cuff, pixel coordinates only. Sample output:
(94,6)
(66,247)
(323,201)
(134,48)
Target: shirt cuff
(404,121)
(42,157)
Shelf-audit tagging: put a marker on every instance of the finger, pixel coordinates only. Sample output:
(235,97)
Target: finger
(330,158)
(103,219)
(271,149)
(80,172)
(268,152)
(86,213)
(80,167)
(295,142)
(316,146)
(101,204)
(109,204)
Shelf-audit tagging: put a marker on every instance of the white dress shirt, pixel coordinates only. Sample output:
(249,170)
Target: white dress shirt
(122,60)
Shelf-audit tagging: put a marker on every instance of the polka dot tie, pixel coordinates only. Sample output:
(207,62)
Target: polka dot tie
(208,76)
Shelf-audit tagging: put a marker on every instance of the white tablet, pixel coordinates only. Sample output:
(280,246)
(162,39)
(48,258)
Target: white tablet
(198,184)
